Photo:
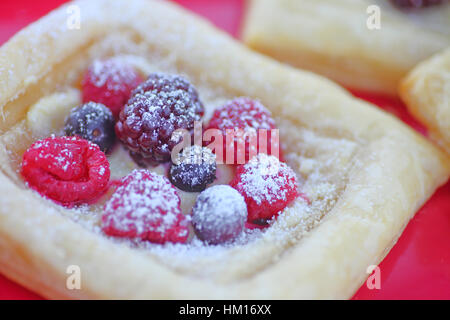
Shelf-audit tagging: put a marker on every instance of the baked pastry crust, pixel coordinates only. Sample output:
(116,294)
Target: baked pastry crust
(426,92)
(331,38)
(383,170)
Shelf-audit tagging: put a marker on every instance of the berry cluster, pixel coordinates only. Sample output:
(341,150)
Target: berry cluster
(145,117)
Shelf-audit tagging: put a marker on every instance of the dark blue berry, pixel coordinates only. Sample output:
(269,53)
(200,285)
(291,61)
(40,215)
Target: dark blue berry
(219,214)
(194,169)
(94,122)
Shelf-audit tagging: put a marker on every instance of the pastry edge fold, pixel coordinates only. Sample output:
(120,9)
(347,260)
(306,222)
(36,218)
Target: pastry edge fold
(398,170)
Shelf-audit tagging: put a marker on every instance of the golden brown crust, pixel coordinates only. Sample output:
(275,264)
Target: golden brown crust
(390,171)
(331,38)
(426,92)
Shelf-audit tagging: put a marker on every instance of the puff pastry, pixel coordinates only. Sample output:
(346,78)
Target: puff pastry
(365,173)
(332,38)
(426,92)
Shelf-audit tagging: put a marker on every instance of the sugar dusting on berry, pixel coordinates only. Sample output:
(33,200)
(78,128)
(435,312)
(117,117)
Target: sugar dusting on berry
(247,118)
(158,107)
(109,82)
(111,73)
(194,168)
(249,113)
(138,198)
(146,206)
(68,170)
(219,214)
(265,179)
(93,122)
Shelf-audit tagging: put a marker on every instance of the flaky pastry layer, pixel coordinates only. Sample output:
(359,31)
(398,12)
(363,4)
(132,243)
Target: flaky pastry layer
(333,38)
(426,92)
(374,170)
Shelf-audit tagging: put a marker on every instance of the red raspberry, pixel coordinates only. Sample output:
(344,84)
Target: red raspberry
(249,116)
(69,170)
(110,82)
(267,185)
(145,206)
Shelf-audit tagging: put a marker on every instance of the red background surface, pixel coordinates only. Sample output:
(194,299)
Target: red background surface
(418,267)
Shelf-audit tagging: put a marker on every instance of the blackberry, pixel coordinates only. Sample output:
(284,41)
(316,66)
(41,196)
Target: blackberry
(159,106)
(195,168)
(415,3)
(93,122)
(219,214)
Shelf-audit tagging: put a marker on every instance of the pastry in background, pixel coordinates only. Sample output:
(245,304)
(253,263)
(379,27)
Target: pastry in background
(341,39)
(426,92)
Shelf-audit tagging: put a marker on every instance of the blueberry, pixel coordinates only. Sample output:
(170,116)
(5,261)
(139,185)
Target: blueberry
(94,122)
(194,170)
(219,214)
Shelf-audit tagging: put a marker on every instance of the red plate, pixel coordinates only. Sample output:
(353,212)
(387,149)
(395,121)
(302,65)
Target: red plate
(418,267)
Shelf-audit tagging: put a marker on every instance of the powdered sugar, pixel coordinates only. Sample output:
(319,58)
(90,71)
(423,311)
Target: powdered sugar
(112,73)
(251,113)
(201,259)
(60,156)
(93,122)
(166,48)
(194,168)
(219,214)
(247,128)
(159,106)
(266,179)
(145,205)
(66,169)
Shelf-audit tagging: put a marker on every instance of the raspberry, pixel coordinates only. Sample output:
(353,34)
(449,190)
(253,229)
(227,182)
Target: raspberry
(145,205)
(267,185)
(219,214)
(94,122)
(250,116)
(415,3)
(158,107)
(109,82)
(69,170)
(195,169)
